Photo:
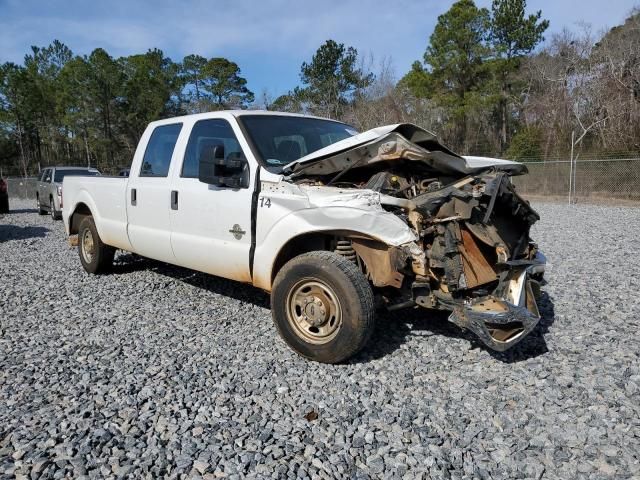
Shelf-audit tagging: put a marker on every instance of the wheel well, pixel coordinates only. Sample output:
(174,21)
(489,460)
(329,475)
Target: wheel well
(309,242)
(78,214)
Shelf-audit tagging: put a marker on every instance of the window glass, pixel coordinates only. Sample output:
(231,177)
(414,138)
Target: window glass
(60,174)
(291,145)
(157,156)
(44,174)
(47,175)
(209,133)
(282,139)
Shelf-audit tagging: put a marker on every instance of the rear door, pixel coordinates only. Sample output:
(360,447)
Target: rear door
(211,225)
(148,194)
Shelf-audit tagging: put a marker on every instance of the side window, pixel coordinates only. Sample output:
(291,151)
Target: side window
(43,175)
(47,176)
(209,133)
(157,156)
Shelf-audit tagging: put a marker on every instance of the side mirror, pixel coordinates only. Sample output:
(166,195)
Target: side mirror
(215,169)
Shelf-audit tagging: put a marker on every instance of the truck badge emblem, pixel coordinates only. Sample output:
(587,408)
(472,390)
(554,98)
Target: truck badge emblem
(237,231)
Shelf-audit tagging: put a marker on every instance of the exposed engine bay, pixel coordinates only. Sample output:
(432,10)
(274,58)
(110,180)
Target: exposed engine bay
(473,255)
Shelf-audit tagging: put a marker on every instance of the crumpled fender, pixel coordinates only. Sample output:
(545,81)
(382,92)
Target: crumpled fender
(322,211)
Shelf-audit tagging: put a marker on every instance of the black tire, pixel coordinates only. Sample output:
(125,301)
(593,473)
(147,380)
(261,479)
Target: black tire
(52,209)
(99,259)
(41,211)
(327,275)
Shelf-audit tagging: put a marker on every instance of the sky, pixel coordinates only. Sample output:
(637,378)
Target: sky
(268,39)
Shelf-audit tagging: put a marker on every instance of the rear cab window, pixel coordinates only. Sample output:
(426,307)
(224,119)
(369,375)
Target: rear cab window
(80,172)
(157,155)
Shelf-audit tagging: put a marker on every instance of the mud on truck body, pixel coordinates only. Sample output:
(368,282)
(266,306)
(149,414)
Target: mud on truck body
(388,218)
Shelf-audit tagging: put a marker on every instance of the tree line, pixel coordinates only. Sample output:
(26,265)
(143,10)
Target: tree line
(488,83)
(61,108)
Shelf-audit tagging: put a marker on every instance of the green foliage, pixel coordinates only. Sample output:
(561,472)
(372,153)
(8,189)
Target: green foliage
(214,84)
(222,81)
(289,102)
(331,79)
(193,73)
(471,66)
(526,144)
(418,81)
(479,83)
(150,89)
(513,33)
(458,48)
(455,65)
(61,108)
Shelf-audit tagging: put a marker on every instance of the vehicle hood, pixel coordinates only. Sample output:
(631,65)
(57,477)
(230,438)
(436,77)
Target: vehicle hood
(394,142)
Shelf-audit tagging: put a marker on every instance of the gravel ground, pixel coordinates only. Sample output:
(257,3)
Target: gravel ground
(157,371)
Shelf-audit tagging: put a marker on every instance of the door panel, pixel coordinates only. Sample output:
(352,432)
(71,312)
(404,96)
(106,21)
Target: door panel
(149,227)
(211,226)
(204,236)
(43,187)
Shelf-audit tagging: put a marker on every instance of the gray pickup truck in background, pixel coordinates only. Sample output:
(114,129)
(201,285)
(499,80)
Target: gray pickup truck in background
(49,189)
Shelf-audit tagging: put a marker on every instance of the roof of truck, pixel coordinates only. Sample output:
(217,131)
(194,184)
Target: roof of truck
(67,167)
(237,113)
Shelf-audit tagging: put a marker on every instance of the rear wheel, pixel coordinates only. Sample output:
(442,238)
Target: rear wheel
(41,211)
(323,306)
(95,256)
(52,209)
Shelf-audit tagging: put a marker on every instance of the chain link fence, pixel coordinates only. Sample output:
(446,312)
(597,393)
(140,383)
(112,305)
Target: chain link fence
(20,187)
(613,180)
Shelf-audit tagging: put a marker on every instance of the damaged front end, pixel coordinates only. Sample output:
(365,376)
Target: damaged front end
(473,255)
(481,262)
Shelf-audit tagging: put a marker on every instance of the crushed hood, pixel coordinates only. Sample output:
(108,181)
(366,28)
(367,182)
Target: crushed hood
(394,142)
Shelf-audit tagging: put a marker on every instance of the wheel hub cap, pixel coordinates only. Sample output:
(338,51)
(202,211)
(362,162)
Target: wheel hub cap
(87,246)
(314,311)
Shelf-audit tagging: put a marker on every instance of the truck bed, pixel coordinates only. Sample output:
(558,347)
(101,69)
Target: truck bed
(105,197)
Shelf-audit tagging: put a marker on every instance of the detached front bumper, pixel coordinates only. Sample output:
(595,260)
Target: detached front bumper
(510,313)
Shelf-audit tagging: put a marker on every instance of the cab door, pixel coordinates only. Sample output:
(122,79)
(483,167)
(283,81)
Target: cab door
(44,183)
(149,194)
(44,177)
(211,225)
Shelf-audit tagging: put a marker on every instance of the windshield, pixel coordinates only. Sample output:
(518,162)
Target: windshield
(280,139)
(60,174)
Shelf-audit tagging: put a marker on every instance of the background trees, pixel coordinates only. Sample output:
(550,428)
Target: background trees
(487,84)
(58,108)
(331,81)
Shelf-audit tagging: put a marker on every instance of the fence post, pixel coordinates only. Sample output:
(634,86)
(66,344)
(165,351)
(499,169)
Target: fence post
(575,176)
(571,167)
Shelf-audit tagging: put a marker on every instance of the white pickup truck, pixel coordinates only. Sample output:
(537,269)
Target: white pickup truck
(332,222)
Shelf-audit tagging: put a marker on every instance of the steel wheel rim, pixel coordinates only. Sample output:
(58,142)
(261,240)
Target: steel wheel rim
(88,246)
(314,311)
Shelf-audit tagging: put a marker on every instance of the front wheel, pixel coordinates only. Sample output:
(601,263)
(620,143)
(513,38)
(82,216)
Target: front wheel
(323,307)
(95,256)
